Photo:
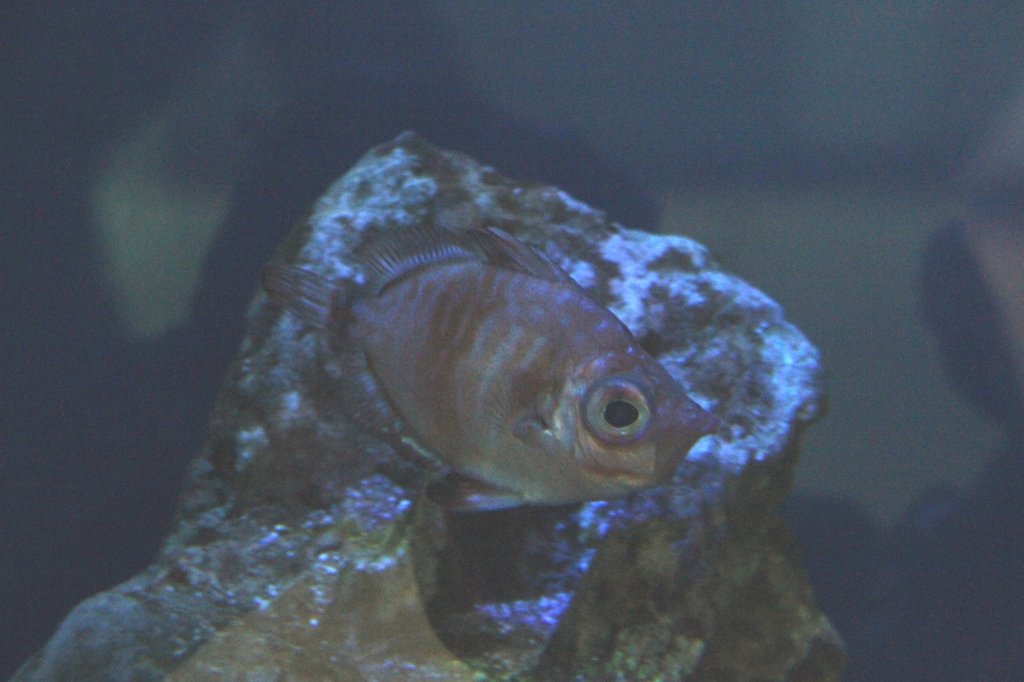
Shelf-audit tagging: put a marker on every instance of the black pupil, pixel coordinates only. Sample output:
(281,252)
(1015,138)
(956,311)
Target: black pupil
(620,414)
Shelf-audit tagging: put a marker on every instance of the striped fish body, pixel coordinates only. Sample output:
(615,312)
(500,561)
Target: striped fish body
(498,364)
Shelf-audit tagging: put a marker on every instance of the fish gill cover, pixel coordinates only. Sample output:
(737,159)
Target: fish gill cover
(305,548)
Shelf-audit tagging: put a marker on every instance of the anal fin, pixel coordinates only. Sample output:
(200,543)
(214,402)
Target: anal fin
(362,397)
(368,407)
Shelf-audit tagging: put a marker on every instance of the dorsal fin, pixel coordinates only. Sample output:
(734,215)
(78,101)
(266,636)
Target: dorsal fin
(397,254)
(505,251)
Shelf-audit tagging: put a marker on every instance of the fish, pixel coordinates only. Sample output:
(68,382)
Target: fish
(483,355)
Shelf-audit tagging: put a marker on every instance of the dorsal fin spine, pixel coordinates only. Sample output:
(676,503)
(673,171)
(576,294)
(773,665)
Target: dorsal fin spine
(398,254)
(503,250)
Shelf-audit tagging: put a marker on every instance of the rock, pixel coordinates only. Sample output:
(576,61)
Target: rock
(304,548)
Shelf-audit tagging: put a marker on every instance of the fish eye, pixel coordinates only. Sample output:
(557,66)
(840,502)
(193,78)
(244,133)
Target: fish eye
(616,411)
(620,414)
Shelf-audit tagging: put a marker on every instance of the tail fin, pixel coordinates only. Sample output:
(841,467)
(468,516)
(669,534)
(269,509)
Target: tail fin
(308,295)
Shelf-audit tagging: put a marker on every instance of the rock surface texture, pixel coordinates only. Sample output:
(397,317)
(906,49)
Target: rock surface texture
(304,548)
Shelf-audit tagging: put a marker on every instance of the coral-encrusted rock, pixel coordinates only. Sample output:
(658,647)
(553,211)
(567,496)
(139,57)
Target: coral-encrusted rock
(304,548)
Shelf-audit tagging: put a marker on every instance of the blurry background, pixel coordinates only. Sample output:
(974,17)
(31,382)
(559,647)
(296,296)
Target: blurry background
(153,154)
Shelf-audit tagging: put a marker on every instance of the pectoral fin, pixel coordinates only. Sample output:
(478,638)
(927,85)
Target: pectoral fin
(456,492)
(532,429)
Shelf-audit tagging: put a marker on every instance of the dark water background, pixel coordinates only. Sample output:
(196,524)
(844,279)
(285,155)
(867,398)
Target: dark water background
(96,428)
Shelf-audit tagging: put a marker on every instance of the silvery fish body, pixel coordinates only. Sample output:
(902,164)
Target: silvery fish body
(495,362)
